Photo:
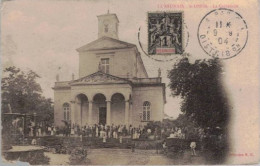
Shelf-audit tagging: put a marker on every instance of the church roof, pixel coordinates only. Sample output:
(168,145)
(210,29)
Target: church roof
(99,78)
(105,43)
(103,78)
(108,14)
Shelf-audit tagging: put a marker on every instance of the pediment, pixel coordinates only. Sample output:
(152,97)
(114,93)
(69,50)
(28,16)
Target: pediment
(99,78)
(105,43)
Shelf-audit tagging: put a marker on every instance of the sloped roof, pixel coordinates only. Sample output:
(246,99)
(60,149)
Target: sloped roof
(99,78)
(105,43)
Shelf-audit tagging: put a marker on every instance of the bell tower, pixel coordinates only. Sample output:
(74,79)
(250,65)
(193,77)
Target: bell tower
(108,25)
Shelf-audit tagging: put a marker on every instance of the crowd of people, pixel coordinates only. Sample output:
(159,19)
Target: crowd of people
(110,131)
(31,128)
(107,131)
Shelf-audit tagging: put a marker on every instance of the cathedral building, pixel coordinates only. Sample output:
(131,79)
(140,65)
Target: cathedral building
(113,85)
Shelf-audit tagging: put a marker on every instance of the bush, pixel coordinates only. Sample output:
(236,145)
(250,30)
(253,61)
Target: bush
(78,156)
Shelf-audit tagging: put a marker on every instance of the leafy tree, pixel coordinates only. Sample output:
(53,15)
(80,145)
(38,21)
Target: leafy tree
(23,94)
(204,102)
(199,85)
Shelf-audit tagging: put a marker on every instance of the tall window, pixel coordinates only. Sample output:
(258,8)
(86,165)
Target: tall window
(105,65)
(146,111)
(66,110)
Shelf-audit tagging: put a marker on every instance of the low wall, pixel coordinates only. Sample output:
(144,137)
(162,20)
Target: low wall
(51,141)
(33,157)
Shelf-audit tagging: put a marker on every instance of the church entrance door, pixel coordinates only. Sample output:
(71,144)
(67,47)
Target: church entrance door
(102,115)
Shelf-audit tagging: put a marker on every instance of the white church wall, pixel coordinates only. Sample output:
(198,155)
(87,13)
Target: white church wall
(88,63)
(122,63)
(61,97)
(151,94)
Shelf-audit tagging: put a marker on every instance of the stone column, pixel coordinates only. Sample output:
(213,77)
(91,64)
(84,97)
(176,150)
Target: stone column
(126,113)
(72,112)
(78,113)
(108,112)
(90,104)
(131,113)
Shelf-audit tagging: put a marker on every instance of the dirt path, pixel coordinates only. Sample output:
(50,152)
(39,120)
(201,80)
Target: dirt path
(57,159)
(107,156)
(139,157)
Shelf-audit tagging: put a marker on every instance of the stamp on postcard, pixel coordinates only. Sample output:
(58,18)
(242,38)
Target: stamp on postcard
(165,33)
(222,33)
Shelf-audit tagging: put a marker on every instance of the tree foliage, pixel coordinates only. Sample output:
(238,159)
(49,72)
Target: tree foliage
(22,93)
(199,85)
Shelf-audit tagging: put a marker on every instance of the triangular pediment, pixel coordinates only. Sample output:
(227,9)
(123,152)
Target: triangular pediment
(99,78)
(105,43)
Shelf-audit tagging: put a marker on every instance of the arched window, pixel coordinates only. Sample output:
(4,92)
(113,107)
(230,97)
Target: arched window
(66,111)
(146,111)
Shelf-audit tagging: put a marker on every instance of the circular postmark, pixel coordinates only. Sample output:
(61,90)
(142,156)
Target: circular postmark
(222,33)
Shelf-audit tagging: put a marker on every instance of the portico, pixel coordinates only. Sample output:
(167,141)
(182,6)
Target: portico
(100,103)
(103,112)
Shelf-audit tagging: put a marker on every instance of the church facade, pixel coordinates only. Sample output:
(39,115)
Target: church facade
(113,85)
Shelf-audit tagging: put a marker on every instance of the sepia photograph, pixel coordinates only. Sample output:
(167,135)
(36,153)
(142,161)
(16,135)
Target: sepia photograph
(140,82)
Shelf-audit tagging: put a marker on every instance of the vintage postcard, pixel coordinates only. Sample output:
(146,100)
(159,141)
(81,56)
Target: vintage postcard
(133,82)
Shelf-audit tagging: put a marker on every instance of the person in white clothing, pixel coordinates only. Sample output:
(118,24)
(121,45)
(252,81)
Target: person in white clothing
(96,131)
(193,146)
(33,141)
(72,131)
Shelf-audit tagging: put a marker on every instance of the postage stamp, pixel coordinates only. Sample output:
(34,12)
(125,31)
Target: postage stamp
(222,33)
(165,33)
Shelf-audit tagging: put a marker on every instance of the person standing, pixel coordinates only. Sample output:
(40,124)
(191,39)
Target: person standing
(115,133)
(104,136)
(97,131)
(39,131)
(49,130)
(72,132)
(121,139)
(164,147)
(193,146)
(119,130)
(109,132)
(52,130)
